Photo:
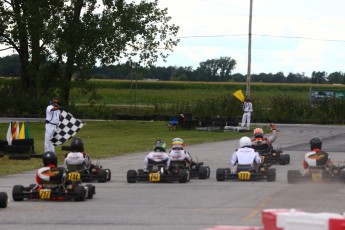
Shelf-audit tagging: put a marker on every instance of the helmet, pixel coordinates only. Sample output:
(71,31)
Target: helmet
(258,132)
(177,141)
(49,158)
(160,146)
(245,141)
(177,147)
(315,143)
(77,145)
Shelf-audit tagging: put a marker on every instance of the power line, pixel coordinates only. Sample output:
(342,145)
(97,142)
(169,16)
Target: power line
(260,35)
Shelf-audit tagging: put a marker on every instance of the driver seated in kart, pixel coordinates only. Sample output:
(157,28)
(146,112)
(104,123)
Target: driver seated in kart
(178,154)
(261,143)
(50,176)
(317,159)
(245,156)
(77,159)
(177,144)
(157,156)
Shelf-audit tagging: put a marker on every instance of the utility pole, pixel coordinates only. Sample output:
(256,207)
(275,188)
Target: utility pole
(249,50)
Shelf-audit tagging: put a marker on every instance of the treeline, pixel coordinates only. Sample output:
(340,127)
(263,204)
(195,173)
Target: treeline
(213,70)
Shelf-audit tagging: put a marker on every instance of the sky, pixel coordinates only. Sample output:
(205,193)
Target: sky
(289,36)
(297,36)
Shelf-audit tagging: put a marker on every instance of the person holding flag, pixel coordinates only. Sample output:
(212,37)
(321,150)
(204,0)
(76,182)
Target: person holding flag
(53,112)
(247,111)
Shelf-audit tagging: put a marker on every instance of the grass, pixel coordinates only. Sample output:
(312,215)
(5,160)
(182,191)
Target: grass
(104,139)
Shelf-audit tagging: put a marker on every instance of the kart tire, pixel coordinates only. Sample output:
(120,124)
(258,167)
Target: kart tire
(17,193)
(293,176)
(79,192)
(3,200)
(108,174)
(284,159)
(91,191)
(203,172)
(220,174)
(271,174)
(131,176)
(208,171)
(184,176)
(102,176)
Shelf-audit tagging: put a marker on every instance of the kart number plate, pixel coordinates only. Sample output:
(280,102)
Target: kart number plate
(73,176)
(155,177)
(45,194)
(316,177)
(244,175)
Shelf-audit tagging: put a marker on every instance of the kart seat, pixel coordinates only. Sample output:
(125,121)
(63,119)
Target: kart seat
(244,167)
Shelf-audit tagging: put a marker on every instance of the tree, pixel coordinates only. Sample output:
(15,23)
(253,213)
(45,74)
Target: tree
(318,77)
(58,39)
(215,69)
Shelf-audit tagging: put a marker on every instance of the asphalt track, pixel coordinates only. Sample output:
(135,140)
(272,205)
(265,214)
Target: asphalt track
(197,205)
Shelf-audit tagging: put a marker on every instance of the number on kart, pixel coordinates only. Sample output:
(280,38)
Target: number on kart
(74,176)
(155,177)
(316,177)
(244,175)
(45,194)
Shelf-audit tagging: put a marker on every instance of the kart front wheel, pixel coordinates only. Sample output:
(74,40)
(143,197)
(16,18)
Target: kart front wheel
(220,174)
(17,193)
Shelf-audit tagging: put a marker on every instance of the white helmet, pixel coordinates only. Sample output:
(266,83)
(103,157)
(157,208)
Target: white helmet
(245,141)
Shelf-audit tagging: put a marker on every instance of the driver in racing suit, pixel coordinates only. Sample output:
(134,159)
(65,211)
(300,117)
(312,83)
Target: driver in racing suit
(50,175)
(77,159)
(157,155)
(260,142)
(245,155)
(317,158)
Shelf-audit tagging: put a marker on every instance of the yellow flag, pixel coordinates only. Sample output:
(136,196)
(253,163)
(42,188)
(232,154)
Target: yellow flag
(239,95)
(22,132)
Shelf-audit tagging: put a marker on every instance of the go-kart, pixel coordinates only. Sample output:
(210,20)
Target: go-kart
(247,173)
(272,156)
(198,170)
(94,173)
(317,174)
(3,199)
(157,172)
(71,189)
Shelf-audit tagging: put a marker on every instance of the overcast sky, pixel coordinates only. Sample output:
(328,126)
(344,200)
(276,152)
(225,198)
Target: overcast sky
(298,36)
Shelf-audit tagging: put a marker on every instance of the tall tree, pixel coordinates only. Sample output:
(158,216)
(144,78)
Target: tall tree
(216,69)
(59,39)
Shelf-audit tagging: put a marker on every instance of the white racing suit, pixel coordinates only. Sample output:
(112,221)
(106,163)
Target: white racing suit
(179,155)
(52,119)
(156,157)
(77,159)
(245,156)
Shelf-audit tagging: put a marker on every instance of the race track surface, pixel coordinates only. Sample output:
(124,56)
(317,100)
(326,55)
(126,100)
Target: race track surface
(199,204)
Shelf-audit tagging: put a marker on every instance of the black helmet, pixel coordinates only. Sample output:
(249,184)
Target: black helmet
(49,158)
(77,145)
(160,146)
(315,143)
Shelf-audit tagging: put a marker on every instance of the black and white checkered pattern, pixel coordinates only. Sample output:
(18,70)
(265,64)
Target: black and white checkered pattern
(67,127)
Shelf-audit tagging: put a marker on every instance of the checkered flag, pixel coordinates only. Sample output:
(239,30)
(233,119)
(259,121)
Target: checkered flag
(67,127)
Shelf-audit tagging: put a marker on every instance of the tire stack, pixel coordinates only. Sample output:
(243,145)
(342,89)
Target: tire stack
(21,149)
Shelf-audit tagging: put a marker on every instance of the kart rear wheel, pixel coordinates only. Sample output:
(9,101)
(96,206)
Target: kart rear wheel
(80,193)
(184,176)
(131,176)
(284,159)
(293,176)
(90,191)
(203,172)
(17,193)
(102,176)
(3,200)
(220,174)
(108,174)
(271,175)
